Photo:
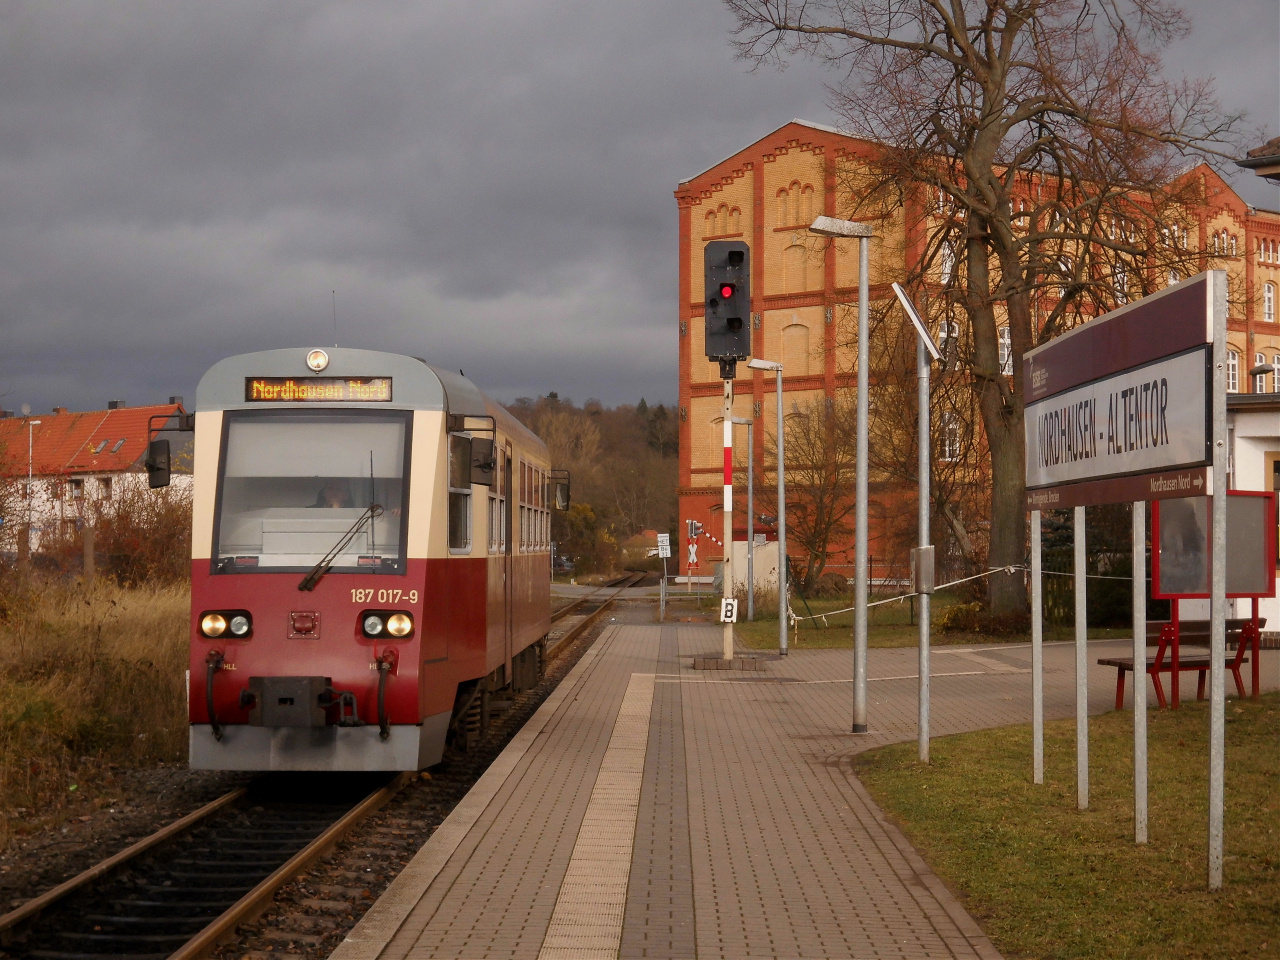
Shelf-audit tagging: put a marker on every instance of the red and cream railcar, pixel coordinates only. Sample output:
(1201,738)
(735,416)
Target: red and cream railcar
(370,555)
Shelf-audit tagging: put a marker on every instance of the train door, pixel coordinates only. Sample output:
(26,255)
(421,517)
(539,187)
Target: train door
(508,566)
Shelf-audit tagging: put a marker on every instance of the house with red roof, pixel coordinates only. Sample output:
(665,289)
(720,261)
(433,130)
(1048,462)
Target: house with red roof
(54,466)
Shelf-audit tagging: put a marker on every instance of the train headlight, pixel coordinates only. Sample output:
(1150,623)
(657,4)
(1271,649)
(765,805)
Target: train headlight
(239,625)
(213,624)
(373,625)
(399,624)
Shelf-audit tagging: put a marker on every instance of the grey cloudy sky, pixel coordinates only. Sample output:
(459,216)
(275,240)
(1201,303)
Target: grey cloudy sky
(485,185)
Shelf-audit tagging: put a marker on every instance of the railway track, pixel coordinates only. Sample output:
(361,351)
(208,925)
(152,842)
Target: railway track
(176,893)
(571,620)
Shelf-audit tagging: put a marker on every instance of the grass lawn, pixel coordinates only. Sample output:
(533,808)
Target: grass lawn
(1048,881)
(888,625)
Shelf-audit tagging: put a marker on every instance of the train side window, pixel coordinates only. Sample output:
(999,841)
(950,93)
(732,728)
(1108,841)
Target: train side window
(459,493)
(494,516)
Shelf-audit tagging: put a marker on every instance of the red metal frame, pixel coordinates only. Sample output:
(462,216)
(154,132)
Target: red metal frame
(1251,633)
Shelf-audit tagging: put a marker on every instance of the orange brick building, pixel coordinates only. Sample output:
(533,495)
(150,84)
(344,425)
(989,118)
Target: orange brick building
(804,297)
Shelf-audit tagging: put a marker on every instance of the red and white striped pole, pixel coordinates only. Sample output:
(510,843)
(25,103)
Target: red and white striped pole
(728,511)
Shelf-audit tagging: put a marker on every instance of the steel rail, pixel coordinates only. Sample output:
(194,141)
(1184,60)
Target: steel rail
(569,608)
(258,899)
(37,905)
(578,628)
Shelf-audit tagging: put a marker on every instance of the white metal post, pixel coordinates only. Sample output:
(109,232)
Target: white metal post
(1037,653)
(860,546)
(1082,668)
(31,487)
(728,511)
(1218,577)
(923,469)
(1140,672)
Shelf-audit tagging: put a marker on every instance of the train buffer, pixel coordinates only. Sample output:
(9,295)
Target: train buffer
(651,810)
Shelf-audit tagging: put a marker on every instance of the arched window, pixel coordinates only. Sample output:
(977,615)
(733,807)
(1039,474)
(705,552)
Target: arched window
(1174,277)
(947,261)
(794,209)
(949,437)
(1260,380)
(1120,280)
(1233,372)
(1006,352)
(795,350)
(735,221)
(1233,244)
(795,260)
(784,207)
(1275,375)
(1269,302)
(948,336)
(806,205)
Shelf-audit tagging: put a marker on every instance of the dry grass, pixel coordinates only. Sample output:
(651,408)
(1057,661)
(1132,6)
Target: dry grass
(87,679)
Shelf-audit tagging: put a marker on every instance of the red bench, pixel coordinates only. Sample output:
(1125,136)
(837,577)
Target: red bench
(1173,657)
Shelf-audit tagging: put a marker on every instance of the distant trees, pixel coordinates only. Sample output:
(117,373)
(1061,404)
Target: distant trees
(624,467)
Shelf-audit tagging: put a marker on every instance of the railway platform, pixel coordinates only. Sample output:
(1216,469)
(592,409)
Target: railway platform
(651,810)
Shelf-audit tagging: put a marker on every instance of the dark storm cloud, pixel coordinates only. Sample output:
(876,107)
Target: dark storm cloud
(489,185)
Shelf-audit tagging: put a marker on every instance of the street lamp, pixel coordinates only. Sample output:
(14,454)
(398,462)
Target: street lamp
(925,348)
(758,364)
(30,487)
(832,227)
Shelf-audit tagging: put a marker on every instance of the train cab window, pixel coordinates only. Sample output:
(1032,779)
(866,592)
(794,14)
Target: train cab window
(292,485)
(459,493)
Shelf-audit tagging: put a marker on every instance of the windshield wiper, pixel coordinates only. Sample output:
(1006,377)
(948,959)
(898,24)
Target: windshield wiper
(320,569)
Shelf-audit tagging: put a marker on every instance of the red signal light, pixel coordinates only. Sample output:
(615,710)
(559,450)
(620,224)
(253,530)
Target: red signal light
(726,291)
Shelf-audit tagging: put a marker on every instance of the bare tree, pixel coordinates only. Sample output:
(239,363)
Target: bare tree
(1035,147)
(959,475)
(821,455)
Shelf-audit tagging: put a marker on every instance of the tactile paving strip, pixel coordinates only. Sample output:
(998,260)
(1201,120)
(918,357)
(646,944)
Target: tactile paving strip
(587,922)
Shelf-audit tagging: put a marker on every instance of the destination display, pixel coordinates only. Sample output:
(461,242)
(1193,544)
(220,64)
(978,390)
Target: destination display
(317,389)
(1152,418)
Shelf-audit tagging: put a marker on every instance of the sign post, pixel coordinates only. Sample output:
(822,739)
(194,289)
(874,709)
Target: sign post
(664,551)
(1131,407)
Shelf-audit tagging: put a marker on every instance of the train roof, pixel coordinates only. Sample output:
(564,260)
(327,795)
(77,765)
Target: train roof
(414,384)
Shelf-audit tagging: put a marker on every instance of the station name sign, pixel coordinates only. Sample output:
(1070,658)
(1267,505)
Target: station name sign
(1119,409)
(1153,418)
(317,389)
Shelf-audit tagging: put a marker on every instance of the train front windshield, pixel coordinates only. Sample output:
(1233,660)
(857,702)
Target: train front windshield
(292,485)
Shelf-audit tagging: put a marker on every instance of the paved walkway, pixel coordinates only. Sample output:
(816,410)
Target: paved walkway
(649,810)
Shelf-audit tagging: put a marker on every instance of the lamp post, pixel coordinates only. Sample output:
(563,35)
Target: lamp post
(832,227)
(925,350)
(31,490)
(758,364)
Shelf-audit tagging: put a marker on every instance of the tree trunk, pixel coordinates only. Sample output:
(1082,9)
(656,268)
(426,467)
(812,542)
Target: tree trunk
(1006,593)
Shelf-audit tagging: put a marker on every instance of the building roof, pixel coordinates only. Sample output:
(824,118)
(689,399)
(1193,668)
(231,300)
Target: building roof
(822,127)
(1263,160)
(64,444)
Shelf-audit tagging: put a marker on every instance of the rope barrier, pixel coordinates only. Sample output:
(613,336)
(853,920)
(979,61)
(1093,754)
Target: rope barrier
(794,620)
